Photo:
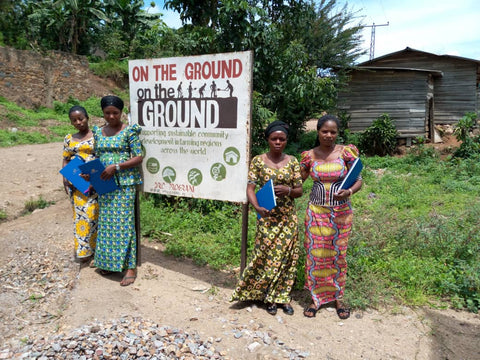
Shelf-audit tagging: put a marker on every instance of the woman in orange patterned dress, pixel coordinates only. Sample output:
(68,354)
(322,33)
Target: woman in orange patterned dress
(328,219)
(85,206)
(271,273)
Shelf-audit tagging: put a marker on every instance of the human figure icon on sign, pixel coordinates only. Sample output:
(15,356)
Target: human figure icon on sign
(179,90)
(213,90)
(229,88)
(201,90)
(190,90)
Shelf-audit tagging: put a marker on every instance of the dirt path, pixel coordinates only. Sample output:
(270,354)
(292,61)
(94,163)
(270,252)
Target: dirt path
(43,292)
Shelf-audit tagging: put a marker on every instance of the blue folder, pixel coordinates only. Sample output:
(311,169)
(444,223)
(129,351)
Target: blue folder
(352,174)
(72,172)
(95,168)
(266,197)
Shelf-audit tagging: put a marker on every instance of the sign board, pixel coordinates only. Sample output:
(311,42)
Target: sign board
(195,115)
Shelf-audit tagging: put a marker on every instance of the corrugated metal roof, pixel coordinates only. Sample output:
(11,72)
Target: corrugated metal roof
(408,49)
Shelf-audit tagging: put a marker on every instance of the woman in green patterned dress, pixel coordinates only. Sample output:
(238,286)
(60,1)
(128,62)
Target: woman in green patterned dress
(85,206)
(271,273)
(118,147)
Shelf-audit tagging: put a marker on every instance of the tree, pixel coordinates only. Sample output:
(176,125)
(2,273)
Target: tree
(127,21)
(65,24)
(14,25)
(293,41)
(197,12)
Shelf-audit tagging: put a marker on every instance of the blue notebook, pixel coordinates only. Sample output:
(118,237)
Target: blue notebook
(72,172)
(95,168)
(352,174)
(266,197)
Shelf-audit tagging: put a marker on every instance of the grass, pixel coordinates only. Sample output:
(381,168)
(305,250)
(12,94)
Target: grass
(21,126)
(34,204)
(416,237)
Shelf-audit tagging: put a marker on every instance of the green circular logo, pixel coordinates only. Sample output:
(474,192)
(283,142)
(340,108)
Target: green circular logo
(169,174)
(231,156)
(195,177)
(152,165)
(218,172)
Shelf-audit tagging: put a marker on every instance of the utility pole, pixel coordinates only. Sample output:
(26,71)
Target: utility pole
(372,38)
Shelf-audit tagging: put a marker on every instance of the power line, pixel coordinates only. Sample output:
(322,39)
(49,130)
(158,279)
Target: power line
(372,38)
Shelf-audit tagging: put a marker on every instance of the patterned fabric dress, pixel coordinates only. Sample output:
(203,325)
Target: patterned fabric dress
(271,273)
(85,208)
(116,240)
(328,224)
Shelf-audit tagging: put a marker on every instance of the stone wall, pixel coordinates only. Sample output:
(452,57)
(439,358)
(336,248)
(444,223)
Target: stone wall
(31,79)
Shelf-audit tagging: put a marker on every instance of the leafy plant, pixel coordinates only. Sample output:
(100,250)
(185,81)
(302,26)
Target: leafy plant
(380,138)
(470,146)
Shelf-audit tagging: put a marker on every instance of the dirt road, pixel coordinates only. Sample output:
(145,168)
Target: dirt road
(44,293)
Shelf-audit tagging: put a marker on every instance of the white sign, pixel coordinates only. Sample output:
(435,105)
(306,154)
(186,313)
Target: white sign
(195,118)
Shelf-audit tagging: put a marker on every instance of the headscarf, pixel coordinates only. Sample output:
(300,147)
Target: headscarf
(79,109)
(111,100)
(277,125)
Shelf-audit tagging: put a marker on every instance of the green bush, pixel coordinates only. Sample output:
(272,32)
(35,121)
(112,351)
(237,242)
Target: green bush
(380,138)
(470,146)
(112,69)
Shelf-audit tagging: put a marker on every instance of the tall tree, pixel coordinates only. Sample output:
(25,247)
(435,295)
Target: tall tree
(65,24)
(293,42)
(127,22)
(80,15)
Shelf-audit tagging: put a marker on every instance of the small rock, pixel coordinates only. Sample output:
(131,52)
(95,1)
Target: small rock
(253,346)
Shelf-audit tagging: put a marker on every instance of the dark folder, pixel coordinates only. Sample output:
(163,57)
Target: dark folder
(95,168)
(72,172)
(352,174)
(266,197)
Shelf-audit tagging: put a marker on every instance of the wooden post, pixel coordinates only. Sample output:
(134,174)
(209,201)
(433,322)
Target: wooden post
(243,249)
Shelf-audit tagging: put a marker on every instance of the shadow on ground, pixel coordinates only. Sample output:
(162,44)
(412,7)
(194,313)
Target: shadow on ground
(452,337)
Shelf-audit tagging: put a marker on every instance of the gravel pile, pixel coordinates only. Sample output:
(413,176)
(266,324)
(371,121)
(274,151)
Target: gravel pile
(124,338)
(34,287)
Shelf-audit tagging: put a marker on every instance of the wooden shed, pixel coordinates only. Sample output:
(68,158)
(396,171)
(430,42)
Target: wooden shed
(417,89)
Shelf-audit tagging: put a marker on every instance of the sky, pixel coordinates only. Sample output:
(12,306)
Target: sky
(442,27)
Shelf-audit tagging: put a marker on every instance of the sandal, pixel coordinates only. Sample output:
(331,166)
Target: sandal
(311,310)
(129,279)
(343,313)
(272,309)
(287,309)
(126,280)
(105,272)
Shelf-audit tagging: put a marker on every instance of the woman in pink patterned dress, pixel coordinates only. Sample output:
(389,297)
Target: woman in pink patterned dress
(328,220)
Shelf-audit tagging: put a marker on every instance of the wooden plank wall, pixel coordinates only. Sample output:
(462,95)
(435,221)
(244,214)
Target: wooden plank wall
(402,95)
(455,93)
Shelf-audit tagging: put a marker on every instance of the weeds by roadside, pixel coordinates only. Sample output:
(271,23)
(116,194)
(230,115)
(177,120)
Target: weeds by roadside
(33,204)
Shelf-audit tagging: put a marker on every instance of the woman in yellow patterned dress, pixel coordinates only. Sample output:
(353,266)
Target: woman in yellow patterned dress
(328,221)
(85,206)
(271,273)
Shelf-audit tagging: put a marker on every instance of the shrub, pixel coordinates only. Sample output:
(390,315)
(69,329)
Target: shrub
(380,138)
(470,146)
